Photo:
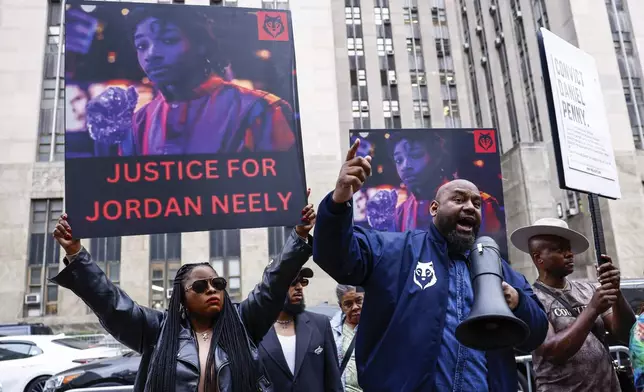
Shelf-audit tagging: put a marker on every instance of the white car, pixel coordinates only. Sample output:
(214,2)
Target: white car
(27,362)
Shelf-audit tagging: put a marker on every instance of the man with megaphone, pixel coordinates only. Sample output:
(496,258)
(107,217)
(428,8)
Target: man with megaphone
(418,290)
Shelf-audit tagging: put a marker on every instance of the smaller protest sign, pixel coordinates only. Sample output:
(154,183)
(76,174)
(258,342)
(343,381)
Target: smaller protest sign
(408,167)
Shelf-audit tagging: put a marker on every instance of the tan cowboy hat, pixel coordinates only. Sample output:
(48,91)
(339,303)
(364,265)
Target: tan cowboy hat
(549,226)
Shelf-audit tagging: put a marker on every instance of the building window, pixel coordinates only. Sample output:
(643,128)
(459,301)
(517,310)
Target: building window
(478,116)
(51,129)
(390,108)
(421,114)
(362,77)
(275,4)
(381,15)
(225,258)
(358,76)
(452,116)
(410,19)
(629,68)
(388,79)
(540,13)
(385,46)
(415,55)
(419,93)
(485,64)
(499,42)
(391,112)
(360,113)
(355,47)
(445,65)
(418,79)
(165,261)
(106,253)
(352,15)
(276,238)
(43,258)
(526,72)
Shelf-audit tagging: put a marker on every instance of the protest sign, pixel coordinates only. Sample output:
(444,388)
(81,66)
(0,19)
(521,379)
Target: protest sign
(180,118)
(580,130)
(408,167)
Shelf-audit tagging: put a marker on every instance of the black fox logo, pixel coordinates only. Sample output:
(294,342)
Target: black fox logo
(485,141)
(273,25)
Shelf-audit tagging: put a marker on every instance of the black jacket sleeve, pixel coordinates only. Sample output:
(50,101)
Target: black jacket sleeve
(332,381)
(133,325)
(260,310)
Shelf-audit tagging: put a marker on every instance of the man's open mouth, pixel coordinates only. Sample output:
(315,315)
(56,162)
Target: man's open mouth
(466,224)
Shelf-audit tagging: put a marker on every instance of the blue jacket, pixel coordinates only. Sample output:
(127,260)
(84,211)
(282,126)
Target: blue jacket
(401,324)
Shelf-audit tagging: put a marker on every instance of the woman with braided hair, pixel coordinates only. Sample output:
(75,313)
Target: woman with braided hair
(203,342)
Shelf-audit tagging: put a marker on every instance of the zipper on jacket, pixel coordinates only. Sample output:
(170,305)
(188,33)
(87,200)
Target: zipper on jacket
(219,371)
(199,364)
(194,339)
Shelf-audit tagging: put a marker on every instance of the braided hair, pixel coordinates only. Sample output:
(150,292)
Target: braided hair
(228,333)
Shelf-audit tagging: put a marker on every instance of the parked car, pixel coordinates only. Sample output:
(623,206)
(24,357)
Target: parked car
(24,329)
(325,309)
(110,372)
(27,362)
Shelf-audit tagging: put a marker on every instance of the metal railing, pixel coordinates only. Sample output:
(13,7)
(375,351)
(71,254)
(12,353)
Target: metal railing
(526,360)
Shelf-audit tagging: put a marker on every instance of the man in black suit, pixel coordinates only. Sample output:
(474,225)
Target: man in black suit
(299,352)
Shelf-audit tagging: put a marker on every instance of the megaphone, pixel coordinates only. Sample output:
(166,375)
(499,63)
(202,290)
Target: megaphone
(491,324)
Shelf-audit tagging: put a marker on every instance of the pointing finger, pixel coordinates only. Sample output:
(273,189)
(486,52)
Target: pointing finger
(308,193)
(352,151)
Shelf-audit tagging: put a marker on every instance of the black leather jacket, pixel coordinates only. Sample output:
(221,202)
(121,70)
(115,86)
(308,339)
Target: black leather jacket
(139,327)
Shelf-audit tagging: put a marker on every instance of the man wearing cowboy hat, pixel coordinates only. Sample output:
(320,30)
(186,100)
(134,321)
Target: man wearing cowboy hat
(574,356)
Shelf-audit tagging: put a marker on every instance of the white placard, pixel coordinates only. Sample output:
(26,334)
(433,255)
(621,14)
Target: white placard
(588,161)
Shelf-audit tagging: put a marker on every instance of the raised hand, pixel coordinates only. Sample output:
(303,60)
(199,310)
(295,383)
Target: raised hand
(109,115)
(608,273)
(604,298)
(353,174)
(63,234)
(308,218)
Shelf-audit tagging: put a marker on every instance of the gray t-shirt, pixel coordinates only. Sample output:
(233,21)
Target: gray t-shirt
(590,369)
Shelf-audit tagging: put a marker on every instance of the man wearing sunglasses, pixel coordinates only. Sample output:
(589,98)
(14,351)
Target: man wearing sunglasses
(299,351)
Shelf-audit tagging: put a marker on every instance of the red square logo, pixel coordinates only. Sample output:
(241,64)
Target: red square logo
(272,26)
(485,141)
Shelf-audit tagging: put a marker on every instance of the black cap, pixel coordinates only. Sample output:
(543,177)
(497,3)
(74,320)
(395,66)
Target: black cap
(305,272)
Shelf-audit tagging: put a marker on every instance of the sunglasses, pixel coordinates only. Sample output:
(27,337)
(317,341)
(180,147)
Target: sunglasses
(201,286)
(303,281)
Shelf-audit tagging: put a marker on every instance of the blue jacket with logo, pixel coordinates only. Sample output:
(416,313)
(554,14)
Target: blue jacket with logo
(401,325)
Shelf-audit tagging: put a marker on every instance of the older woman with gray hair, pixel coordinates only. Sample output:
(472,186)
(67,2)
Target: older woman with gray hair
(344,325)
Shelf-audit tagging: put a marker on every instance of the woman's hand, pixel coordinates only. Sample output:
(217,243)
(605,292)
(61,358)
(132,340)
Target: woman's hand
(63,234)
(308,217)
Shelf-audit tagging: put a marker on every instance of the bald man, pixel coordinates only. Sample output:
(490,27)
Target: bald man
(418,290)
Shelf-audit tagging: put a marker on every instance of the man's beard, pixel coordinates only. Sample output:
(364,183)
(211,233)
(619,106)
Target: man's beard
(294,309)
(456,243)
(459,244)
